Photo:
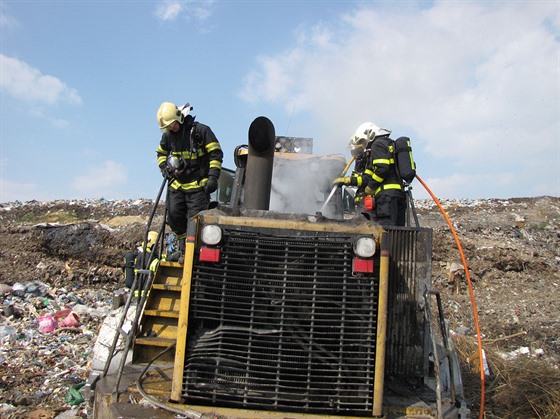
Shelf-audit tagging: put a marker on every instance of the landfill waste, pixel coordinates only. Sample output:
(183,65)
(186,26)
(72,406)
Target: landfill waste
(47,323)
(73,396)
(63,259)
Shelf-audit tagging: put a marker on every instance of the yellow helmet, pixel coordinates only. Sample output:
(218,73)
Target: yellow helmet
(152,238)
(167,114)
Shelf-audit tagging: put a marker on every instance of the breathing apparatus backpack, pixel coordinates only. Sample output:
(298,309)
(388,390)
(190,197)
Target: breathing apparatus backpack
(404,159)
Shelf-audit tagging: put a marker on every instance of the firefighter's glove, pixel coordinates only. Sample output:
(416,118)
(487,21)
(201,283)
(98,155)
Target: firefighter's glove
(211,185)
(339,181)
(369,191)
(166,172)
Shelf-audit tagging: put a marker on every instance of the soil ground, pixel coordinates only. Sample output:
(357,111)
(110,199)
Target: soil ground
(72,251)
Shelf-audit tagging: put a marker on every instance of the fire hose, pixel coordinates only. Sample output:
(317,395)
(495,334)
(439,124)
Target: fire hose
(336,186)
(471,292)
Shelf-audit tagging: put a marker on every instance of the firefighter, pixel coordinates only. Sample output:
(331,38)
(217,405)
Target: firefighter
(376,175)
(134,258)
(384,183)
(190,157)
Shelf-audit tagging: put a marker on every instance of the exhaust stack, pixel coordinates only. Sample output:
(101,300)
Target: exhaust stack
(258,177)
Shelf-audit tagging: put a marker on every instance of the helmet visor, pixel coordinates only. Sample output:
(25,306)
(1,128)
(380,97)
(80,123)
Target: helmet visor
(357,151)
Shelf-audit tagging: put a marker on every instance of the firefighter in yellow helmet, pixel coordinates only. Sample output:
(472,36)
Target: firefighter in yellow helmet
(133,259)
(190,156)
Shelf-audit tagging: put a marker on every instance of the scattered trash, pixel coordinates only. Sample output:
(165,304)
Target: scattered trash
(47,336)
(67,318)
(7,333)
(74,397)
(47,323)
(522,351)
(72,320)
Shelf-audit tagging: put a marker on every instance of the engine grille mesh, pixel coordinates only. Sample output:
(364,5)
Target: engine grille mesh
(281,324)
(410,275)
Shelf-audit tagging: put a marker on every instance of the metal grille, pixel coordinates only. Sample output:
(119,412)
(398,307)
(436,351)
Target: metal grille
(410,273)
(281,324)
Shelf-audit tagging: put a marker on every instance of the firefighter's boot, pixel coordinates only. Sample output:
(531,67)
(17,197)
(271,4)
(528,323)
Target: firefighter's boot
(179,254)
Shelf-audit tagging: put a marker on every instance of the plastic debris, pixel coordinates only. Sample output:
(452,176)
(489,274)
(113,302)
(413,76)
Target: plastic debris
(47,323)
(73,396)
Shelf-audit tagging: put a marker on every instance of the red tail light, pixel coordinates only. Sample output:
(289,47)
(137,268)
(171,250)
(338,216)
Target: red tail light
(362,265)
(208,254)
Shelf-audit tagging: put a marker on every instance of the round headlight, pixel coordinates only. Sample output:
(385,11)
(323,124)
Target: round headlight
(211,234)
(364,247)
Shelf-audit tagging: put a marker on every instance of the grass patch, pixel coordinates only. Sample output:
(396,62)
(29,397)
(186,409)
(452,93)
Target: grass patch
(60,216)
(539,227)
(520,388)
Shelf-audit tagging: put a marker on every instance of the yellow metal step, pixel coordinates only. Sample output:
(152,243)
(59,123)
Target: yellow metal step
(164,327)
(171,264)
(161,313)
(167,287)
(155,341)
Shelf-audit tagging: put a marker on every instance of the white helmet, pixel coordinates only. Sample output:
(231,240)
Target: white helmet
(364,135)
(368,131)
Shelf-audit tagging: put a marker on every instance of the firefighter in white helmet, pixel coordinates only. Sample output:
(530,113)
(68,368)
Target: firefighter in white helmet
(190,156)
(375,174)
(359,146)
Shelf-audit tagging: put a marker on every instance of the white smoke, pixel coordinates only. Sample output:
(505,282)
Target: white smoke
(302,183)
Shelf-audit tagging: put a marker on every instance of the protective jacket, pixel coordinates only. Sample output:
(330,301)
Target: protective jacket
(200,150)
(381,171)
(362,173)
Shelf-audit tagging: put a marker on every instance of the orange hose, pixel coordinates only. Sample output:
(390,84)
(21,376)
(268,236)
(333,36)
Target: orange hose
(475,313)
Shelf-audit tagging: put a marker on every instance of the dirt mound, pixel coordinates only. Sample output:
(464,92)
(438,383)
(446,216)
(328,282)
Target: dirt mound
(70,254)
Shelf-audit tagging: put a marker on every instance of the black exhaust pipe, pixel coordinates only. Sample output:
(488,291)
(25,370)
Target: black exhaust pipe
(258,177)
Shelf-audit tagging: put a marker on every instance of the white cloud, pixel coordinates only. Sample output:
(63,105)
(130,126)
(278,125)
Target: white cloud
(95,182)
(478,83)
(202,10)
(6,21)
(100,181)
(170,10)
(460,185)
(17,191)
(55,122)
(28,84)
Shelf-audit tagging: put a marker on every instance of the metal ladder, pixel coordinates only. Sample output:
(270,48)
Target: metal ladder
(142,283)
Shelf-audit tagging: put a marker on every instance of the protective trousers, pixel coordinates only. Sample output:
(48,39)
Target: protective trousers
(390,209)
(182,205)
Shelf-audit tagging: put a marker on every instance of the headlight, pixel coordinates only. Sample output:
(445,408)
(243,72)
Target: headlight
(211,234)
(364,247)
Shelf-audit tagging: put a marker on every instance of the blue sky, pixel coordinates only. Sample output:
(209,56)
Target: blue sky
(475,84)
